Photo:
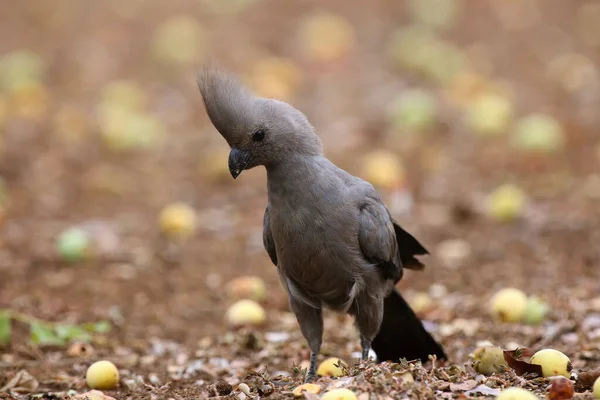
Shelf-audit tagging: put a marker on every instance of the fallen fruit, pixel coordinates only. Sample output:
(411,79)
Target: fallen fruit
(538,133)
(489,360)
(307,387)
(553,363)
(516,394)
(247,287)
(329,367)
(508,305)
(339,394)
(178,40)
(20,67)
(435,13)
(506,203)
(327,37)
(102,375)
(596,388)
(245,312)
(74,244)
(420,302)
(536,311)
(276,78)
(177,220)
(561,389)
(124,93)
(489,114)
(414,110)
(383,168)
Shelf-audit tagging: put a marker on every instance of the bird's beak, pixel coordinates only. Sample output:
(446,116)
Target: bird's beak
(238,161)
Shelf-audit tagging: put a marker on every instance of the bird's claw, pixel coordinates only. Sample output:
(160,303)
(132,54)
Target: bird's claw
(310,377)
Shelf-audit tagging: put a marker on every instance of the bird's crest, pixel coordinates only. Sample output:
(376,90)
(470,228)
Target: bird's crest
(229,105)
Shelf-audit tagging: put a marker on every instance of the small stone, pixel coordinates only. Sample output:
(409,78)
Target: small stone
(223,388)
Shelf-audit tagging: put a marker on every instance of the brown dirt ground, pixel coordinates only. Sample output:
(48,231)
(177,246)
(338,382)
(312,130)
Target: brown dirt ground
(172,312)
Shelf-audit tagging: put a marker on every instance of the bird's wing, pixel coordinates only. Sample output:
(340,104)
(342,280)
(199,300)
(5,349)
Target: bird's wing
(268,237)
(377,239)
(409,248)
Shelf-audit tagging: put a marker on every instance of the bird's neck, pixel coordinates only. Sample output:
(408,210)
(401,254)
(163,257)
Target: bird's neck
(292,174)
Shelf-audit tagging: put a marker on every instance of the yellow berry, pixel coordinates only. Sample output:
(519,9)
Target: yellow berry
(516,394)
(596,389)
(339,394)
(327,37)
(124,93)
(177,220)
(276,78)
(307,387)
(536,311)
(247,287)
(508,305)
(102,375)
(420,302)
(384,169)
(488,360)
(329,368)
(489,114)
(553,362)
(538,133)
(245,312)
(178,40)
(506,203)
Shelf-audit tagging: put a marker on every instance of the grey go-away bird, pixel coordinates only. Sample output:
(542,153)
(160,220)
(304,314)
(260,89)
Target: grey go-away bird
(332,239)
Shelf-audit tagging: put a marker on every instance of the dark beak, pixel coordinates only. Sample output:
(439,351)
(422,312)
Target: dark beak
(238,160)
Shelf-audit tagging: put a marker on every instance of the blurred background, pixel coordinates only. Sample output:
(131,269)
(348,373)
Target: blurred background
(476,120)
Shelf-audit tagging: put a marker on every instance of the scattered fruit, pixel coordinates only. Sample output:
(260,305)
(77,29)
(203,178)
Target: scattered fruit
(73,245)
(553,363)
(30,100)
(409,45)
(339,394)
(435,13)
(178,40)
(245,312)
(421,302)
(329,367)
(247,287)
(383,168)
(596,388)
(178,220)
(489,114)
(213,166)
(327,37)
(307,387)
(276,78)
(414,110)
(20,67)
(506,203)
(516,394)
(536,311)
(489,360)
(508,305)
(102,375)
(124,93)
(538,133)
(561,389)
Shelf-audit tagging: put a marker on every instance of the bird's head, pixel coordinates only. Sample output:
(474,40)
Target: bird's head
(259,131)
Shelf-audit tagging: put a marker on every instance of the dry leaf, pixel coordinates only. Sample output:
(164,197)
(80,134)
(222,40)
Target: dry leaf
(484,390)
(513,359)
(461,387)
(93,395)
(586,379)
(22,382)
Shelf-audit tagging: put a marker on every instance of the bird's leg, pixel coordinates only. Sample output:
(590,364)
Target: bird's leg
(310,320)
(368,317)
(366,346)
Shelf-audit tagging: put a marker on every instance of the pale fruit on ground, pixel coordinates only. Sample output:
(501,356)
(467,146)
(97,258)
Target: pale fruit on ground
(435,13)
(339,394)
(102,375)
(516,394)
(178,40)
(489,114)
(421,302)
(553,362)
(596,388)
(383,169)
(125,93)
(508,305)
(327,37)
(536,311)
(247,287)
(20,67)
(307,387)
(538,133)
(214,165)
(414,110)
(488,360)
(74,244)
(177,220)
(506,203)
(245,312)
(329,368)
(276,78)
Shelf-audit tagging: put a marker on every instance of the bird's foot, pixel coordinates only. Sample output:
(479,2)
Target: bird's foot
(310,377)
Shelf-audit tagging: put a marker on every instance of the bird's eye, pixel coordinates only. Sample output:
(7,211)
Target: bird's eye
(258,135)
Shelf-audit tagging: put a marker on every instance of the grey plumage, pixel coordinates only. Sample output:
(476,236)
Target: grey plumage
(331,237)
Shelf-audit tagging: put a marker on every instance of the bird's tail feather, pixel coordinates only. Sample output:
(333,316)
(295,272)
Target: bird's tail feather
(402,334)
